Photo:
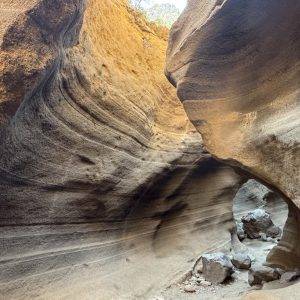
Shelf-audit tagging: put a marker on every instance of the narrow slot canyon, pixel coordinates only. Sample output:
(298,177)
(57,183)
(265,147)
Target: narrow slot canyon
(144,162)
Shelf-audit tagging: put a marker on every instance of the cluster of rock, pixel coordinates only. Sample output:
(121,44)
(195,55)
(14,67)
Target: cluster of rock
(258,224)
(218,268)
(253,206)
(214,269)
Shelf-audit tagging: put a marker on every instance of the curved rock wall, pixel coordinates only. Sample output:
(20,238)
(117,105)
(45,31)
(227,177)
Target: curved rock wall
(236,68)
(106,191)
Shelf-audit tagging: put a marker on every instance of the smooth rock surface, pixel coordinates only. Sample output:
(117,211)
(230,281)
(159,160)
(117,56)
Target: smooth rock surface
(106,189)
(235,65)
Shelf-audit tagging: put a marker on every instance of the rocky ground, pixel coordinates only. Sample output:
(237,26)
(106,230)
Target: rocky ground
(234,288)
(194,286)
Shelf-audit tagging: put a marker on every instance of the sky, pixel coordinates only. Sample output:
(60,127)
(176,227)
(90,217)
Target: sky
(178,3)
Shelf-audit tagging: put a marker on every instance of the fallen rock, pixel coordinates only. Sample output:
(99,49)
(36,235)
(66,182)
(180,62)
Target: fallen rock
(273,232)
(217,267)
(258,222)
(259,274)
(205,283)
(289,276)
(189,289)
(241,261)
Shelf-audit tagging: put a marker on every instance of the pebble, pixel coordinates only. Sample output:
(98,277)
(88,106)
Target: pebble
(189,289)
(205,283)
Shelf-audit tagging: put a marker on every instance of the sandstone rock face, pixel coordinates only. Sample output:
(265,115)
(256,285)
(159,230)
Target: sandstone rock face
(106,191)
(236,68)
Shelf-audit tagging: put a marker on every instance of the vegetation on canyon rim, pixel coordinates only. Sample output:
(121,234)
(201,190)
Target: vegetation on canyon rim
(164,14)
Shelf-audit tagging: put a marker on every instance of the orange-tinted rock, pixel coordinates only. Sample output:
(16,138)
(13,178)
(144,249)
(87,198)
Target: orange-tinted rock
(106,191)
(236,68)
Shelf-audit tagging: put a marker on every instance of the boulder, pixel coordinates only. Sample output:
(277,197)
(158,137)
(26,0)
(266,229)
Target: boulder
(289,276)
(190,288)
(241,261)
(259,274)
(217,267)
(205,283)
(258,222)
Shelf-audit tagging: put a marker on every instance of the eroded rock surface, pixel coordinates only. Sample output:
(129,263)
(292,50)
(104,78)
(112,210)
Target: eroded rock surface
(236,68)
(106,190)
(241,261)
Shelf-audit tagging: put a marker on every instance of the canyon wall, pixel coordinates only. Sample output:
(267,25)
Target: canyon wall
(236,66)
(105,189)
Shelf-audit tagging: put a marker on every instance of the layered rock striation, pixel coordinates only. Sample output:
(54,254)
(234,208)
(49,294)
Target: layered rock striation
(236,68)
(105,189)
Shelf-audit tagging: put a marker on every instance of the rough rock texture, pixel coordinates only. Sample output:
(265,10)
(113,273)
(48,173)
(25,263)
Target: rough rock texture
(289,276)
(106,191)
(261,274)
(241,261)
(253,195)
(216,267)
(190,289)
(257,222)
(236,67)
